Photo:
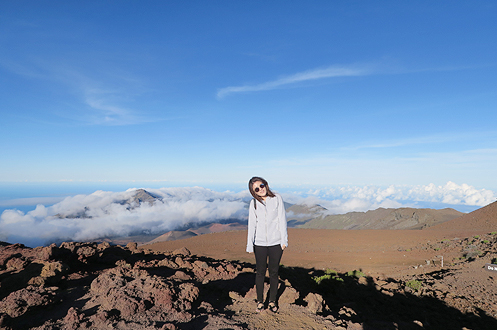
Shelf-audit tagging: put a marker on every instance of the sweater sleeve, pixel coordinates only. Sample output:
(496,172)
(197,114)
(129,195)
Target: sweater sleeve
(251,227)
(282,220)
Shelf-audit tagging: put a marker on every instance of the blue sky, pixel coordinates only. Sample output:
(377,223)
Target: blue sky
(202,92)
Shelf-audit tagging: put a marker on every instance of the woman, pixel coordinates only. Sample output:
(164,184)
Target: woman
(267,237)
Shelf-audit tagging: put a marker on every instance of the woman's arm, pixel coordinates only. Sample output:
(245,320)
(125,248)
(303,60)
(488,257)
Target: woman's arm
(282,223)
(251,227)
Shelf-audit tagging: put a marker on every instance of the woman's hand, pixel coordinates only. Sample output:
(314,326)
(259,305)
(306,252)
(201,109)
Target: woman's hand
(283,247)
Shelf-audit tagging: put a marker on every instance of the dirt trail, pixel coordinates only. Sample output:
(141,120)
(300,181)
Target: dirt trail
(288,317)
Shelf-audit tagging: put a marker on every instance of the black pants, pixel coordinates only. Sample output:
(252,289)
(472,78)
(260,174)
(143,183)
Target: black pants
(261,261)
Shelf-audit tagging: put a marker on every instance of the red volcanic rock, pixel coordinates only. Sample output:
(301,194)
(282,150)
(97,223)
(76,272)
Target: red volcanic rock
(183,251)
(168,326)
(132,246)
(314,302)
(51,269)
(20,301)
(72,320)
(136,294)
(84,252)
(167,263)
(51,273)
(289,296)
(181,276)
(182,262)
(122,288)
(11,251)
(104,319)
(16,263)
(92,252)
(252,293)
(46,253)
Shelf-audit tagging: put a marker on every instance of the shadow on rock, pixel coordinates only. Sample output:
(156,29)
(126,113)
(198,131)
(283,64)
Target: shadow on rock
(377,304)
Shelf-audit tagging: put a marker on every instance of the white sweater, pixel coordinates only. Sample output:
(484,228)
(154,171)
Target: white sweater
(267,223)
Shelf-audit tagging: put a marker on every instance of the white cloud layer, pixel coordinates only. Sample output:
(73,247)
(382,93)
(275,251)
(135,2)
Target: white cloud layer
(104,214)
(107,216)
(345,199)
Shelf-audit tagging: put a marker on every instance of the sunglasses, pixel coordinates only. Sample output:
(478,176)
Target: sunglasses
(262,186)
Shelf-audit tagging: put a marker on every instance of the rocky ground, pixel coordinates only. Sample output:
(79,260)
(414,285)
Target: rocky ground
(97,286)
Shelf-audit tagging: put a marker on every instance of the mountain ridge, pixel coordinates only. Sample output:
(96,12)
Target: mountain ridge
(383,218)
(481,219)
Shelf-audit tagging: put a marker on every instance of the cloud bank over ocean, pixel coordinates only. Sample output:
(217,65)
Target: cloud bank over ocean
(106,214)
(340,200)
(109,214)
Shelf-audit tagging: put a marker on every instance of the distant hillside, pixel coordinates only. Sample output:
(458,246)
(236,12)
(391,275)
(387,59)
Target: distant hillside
(219,227)
(172,236)
(402,218)
(215,227)
(481,219)
(299,214)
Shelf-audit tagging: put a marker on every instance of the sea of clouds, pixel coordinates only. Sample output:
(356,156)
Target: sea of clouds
(103,213)
(340,200)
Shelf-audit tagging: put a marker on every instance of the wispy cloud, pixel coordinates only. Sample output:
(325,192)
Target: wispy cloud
(425,139)
(314,74)
(106,109)
(333,71)
(106,97)
(96,97)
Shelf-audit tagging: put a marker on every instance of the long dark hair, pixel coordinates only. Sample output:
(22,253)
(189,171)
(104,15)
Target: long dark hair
(252,192)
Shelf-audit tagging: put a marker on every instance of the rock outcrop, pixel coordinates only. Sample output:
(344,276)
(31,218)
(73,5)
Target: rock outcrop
(100,286)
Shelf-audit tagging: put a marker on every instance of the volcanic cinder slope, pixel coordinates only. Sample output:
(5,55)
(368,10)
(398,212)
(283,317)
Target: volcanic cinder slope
(374,251)
(379,279)
(483,219)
